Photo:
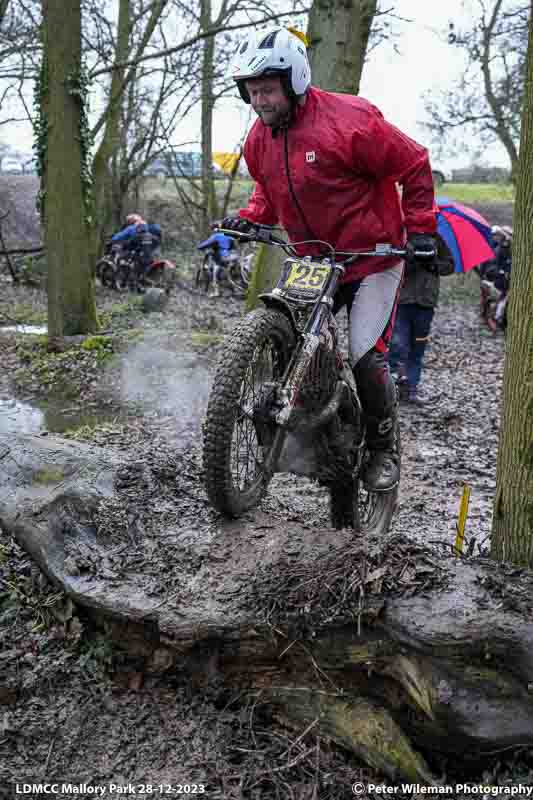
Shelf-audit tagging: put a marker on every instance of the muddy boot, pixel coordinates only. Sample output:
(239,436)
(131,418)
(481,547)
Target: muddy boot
(382,469)
(377,392)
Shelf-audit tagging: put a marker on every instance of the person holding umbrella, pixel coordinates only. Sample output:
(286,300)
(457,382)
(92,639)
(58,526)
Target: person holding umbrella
(416,307)
(464,240)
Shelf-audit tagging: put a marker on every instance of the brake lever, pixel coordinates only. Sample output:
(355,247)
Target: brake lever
(424,255)
(237,234)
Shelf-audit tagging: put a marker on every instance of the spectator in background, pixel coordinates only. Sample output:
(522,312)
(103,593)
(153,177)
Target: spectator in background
(419,296)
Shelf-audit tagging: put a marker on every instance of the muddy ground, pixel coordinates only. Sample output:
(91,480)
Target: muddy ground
(71,707)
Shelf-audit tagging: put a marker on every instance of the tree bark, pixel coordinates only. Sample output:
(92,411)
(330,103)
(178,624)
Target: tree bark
(502,127)
(3,9)
(390,649)
(512,531)
(338,36)
(209,201)
(266,269)
(71,299)
(110,143)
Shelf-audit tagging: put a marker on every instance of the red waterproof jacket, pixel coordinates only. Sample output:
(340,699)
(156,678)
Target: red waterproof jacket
(344,161)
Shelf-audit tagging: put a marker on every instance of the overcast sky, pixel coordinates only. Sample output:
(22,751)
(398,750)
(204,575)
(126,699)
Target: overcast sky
(395,82)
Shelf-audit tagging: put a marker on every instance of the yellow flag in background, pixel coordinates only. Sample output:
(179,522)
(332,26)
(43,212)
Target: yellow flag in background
(226,161)
(300,34)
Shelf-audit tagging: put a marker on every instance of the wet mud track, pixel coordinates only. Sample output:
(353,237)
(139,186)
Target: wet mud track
(73,708)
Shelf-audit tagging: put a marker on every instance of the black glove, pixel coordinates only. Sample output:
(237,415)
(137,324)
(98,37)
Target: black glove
(237,224)
(425,247)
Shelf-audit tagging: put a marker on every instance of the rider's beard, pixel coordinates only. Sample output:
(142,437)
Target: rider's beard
(272,117)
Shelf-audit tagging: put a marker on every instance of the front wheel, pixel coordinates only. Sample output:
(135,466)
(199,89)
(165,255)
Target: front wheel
(354,506)
(239,431)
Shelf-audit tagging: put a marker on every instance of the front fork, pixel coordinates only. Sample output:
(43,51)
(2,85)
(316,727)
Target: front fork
(306,351)
(288,392)
(287,396)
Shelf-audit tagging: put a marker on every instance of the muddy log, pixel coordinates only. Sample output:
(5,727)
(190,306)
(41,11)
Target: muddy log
(390,649)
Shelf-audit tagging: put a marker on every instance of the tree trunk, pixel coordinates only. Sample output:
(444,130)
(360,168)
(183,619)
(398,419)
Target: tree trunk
(71,299)
(209,200)
(338,34)
(3,9)
(110,143)
(512,530)
(265,273)
(391,649)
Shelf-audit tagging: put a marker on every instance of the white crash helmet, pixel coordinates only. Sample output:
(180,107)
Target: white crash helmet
(273,52)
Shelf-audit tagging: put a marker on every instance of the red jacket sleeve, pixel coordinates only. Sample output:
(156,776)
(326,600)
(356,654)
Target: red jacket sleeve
(383,151)
(259,208)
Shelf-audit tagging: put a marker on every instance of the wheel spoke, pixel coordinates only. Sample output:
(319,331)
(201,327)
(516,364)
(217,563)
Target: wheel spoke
(247,452)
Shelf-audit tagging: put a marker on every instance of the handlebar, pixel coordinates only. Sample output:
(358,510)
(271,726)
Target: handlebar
(264,235)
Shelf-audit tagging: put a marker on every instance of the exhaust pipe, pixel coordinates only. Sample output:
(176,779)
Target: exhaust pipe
(307,423)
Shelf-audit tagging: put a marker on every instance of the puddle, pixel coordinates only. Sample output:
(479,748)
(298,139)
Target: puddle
(36,330)
(19,417)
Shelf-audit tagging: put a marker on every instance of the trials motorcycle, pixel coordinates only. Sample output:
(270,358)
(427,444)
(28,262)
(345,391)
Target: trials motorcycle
(282,374)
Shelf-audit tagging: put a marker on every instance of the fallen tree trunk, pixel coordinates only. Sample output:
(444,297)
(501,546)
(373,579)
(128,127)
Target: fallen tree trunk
(390,649)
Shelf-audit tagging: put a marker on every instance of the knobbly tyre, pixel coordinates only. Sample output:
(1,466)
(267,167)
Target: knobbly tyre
(282,372)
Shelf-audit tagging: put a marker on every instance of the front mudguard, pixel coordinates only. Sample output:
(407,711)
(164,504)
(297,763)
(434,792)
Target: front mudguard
(279,304)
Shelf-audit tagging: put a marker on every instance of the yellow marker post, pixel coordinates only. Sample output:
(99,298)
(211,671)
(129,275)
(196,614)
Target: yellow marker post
(461,522)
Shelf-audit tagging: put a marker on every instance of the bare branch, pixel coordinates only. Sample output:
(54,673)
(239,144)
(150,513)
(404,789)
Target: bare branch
(193,40)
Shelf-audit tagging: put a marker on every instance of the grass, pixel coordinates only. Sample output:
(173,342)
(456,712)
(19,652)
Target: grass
(477,192)
(21,314)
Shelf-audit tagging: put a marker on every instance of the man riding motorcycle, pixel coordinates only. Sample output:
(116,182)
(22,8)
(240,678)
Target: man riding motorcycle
(141,238)
(325,167)
(221,247)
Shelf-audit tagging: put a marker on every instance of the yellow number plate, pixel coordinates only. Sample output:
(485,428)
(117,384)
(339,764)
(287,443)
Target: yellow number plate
(306,277)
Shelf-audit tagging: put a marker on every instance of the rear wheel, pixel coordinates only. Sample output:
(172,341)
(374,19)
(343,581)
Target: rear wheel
(239,432)
(352,505)
(156,278)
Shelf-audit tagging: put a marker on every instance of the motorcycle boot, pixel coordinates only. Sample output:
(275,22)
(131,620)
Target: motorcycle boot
(377,392)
